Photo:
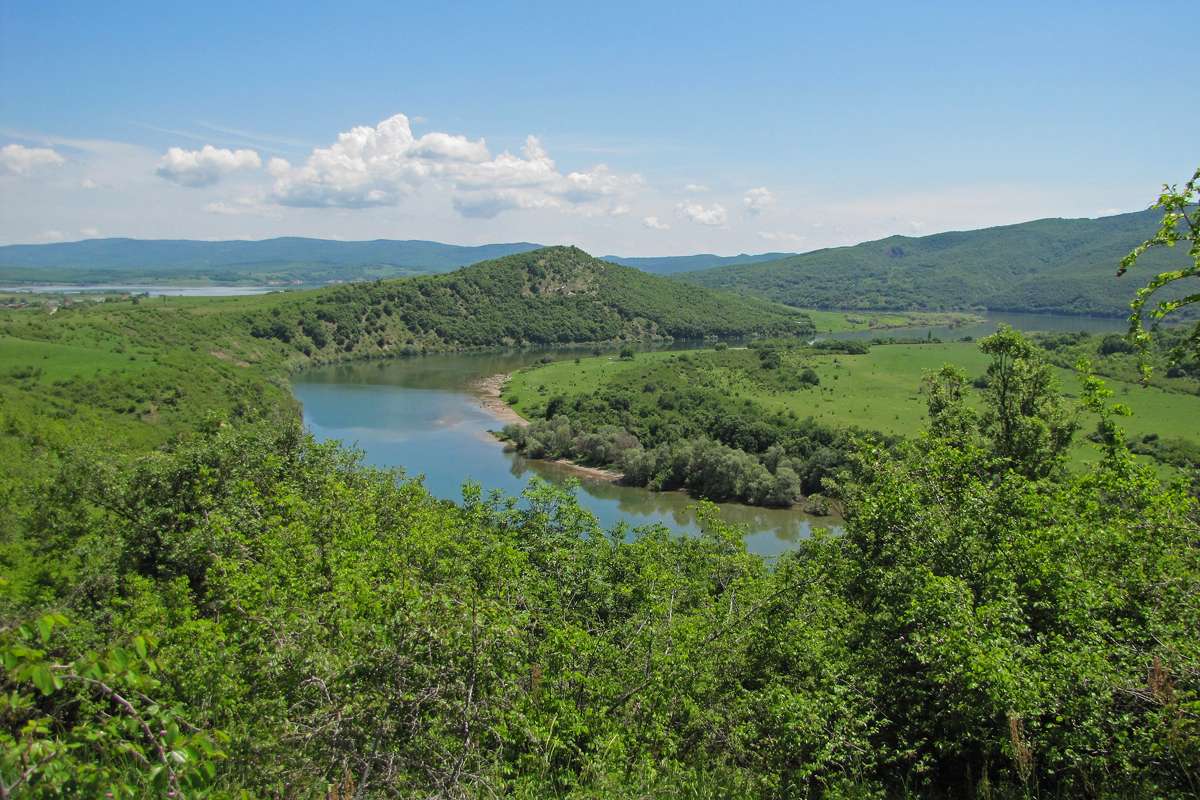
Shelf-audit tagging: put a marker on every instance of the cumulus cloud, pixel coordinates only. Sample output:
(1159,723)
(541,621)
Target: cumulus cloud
(88,183)
(655,224)
(16,159)
(206,166)
(380,165)
(90,233)
(758,200)
(703,215)
(695,188)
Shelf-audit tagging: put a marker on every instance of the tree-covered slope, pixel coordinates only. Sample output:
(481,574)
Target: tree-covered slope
(556,295)
(1048,265)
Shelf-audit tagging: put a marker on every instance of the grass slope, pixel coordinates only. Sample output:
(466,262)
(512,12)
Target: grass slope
(1049,265)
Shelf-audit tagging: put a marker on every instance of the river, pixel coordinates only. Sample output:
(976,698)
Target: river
(423,414)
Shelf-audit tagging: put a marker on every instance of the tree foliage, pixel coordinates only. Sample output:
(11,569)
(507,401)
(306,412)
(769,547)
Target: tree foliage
(1180,225)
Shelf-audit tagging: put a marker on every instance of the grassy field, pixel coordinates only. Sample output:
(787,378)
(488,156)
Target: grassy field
(878,391)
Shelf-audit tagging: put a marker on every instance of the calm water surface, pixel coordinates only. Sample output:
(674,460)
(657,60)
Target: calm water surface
(421,414)
(153,291)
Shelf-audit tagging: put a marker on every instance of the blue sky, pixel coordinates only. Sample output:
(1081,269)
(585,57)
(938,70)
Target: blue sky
(659,128)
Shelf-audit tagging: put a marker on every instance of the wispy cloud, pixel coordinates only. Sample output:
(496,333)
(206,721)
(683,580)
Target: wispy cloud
(254,137)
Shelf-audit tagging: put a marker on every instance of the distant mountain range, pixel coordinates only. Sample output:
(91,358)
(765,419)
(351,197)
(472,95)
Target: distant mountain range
(286,259)
(1048,265)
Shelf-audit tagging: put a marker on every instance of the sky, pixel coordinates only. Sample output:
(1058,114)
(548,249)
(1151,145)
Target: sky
(625,128)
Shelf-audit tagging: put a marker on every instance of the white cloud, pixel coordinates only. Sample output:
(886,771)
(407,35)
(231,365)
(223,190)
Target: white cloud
(695,188)
(381,165)
(704,215)
(204,167)
(16,159)
(655,224)
(758,200)
(88,183)
(781,236)
(89,233)
(51,236)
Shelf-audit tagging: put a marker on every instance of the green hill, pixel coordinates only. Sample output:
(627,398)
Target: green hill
(556,295)
(1049,265)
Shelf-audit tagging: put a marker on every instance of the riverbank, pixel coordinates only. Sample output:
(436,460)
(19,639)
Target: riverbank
(488,392)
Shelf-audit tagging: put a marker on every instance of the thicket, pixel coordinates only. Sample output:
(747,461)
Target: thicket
(678,427)
(249,612)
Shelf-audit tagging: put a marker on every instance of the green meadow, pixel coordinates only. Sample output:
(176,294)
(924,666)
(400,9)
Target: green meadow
(878,391)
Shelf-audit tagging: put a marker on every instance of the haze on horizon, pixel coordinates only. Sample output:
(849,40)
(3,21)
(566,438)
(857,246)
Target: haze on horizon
(623,130)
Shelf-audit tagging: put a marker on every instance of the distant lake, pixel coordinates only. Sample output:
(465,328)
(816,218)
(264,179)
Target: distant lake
(154,291)
(422,414)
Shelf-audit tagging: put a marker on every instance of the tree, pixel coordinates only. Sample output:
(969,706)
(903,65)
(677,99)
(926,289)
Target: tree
(1180,224)
(1026,420)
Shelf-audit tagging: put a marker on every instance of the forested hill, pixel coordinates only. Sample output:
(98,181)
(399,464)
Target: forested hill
(1048,265)
(555,295)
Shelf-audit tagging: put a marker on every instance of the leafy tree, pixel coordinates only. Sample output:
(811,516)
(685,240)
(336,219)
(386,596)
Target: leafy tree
(1180,225)
(1029,426)
(87,727)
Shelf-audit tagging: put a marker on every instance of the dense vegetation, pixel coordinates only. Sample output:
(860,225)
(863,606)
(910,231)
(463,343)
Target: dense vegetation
(198,600)
(689,420)
(1050,265)
(248,610)
(550,296)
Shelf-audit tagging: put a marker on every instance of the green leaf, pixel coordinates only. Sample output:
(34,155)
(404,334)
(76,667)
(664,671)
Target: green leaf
(42,678)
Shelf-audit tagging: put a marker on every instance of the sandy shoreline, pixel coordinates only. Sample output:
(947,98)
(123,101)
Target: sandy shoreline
(488,391)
